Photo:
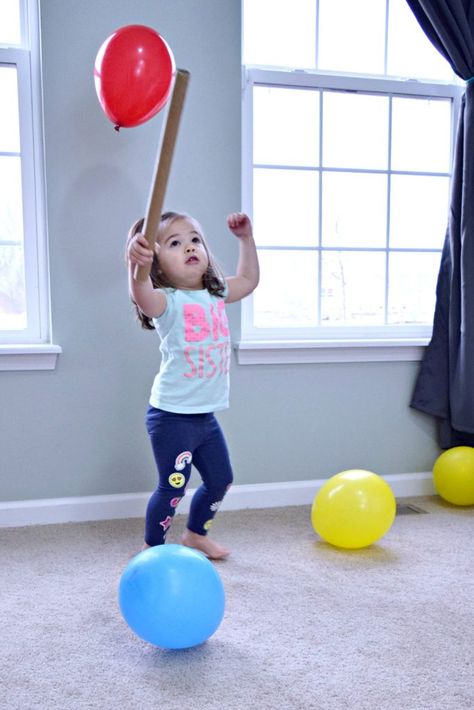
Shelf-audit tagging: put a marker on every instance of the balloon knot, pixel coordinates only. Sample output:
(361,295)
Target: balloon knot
(117,128)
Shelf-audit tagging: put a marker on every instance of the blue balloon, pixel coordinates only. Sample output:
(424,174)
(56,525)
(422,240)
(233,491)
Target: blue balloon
(171,596)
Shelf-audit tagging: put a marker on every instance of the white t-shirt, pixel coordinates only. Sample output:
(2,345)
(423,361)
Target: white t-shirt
(195,349)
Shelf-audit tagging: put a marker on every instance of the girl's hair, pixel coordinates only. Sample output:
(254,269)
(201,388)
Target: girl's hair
(213,279)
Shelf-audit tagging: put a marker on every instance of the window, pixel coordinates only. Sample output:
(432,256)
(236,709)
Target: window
(25,334)
(348,126)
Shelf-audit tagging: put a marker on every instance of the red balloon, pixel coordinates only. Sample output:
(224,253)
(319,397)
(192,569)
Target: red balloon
(133,75)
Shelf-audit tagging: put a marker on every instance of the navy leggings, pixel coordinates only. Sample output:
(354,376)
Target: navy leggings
(179,440)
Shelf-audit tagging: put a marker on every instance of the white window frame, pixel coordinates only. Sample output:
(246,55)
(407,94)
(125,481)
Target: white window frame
(260,345)
(33,348)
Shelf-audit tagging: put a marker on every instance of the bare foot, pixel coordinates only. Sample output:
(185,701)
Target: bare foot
(204,544)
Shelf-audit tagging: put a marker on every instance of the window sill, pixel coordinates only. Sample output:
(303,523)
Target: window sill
(260,352)
(29,357)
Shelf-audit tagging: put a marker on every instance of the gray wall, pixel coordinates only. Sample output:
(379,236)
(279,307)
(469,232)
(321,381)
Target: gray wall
(79,430)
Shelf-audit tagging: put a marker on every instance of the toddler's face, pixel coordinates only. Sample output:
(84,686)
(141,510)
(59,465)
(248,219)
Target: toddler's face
(182,255)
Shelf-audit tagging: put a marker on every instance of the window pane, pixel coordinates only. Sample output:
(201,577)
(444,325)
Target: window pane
(9,120)
(11,215)
(352,36)
(280,33)
(286,126)
(287,295)
(355,130)
(10,27)
(421,131)
(12,276)
(286,207)
(412,288)
(418,211)
(353,288)
(410,52)
(354,210)
(12,288)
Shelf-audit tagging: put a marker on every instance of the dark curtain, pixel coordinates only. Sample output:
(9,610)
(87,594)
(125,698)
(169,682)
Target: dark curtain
(445,383)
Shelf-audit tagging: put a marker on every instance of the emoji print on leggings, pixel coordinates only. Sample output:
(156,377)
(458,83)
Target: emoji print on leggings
(166,522)
(177,480)
(182,459)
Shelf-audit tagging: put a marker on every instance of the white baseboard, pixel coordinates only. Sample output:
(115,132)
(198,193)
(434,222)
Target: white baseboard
(132,505)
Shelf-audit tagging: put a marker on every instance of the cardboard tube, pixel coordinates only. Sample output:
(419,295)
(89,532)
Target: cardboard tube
(169,134)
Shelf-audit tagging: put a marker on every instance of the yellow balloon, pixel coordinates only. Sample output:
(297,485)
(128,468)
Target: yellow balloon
(353,509)
(453,475)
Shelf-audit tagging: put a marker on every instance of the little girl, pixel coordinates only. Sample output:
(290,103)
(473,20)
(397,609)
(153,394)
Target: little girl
(183,299)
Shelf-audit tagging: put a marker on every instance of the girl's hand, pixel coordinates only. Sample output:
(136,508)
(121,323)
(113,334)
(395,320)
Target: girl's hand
(239,224)
(139,252)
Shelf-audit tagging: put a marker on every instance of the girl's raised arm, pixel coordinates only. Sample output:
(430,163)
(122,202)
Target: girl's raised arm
(151,301)
(248,273)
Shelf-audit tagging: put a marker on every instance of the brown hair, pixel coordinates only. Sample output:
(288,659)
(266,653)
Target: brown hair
(213,279)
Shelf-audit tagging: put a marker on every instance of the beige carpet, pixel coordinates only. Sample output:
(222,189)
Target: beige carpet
(306,625)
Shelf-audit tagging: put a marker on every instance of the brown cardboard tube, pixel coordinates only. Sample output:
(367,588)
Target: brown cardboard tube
(169,134)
